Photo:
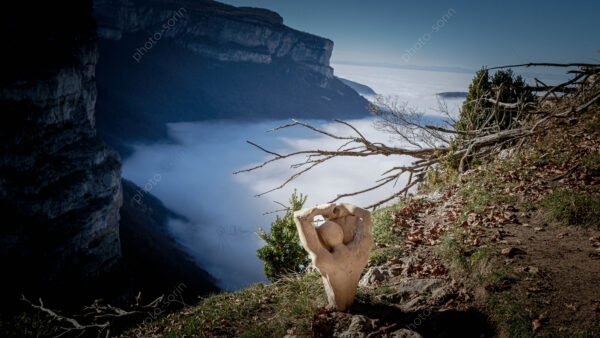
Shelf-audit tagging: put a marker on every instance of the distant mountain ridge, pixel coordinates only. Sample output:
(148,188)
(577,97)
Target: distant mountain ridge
(452,95)
(174,61)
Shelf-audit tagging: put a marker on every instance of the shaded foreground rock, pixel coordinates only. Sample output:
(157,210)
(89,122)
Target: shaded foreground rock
(387,320)
(60,188)
(372,276)
(405,333)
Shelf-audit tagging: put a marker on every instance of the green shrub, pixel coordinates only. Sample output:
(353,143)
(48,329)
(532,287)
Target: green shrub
(572,207)
(474,114)
(283,253)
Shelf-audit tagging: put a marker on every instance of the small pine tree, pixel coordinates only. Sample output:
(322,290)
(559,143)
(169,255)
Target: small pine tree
(474,114)
(283,253)
(469,117)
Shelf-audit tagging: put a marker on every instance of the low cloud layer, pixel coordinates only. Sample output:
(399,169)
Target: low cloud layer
(196,178)
(197,182)
(416,87)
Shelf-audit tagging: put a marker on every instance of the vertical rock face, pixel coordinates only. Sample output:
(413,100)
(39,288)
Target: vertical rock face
(60,189)
(177,61)
(216,30)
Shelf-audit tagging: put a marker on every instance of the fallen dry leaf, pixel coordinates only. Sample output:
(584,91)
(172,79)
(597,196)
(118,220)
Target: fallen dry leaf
(536,324)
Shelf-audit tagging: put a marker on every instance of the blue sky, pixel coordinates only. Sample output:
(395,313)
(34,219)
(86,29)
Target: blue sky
(468,34)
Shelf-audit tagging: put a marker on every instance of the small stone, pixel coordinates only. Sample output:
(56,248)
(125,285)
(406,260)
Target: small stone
(420,285)
(396,271)
(373,275)
(571,307)
(405,333)
(511,252)
(358,328)
(505,154)
(394,260)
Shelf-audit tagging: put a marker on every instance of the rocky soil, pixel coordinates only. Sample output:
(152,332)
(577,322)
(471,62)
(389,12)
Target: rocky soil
(486,254)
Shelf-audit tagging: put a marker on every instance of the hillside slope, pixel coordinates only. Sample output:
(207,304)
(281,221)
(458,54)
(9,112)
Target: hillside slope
(510,248)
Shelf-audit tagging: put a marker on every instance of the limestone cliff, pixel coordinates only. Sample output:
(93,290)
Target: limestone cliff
(60,188)
(173,61)
(216,30)
(67,236)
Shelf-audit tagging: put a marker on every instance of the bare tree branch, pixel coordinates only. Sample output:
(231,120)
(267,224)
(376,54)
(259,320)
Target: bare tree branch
(502,125)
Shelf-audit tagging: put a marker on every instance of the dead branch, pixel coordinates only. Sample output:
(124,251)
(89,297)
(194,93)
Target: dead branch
(73,324)
(504,125)
(98,319)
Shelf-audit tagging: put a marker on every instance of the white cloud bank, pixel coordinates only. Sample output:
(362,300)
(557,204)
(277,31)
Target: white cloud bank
(197,181)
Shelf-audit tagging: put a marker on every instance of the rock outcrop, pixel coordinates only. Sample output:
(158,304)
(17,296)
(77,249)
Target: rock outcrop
(61,195)
(172,61)
(60,187)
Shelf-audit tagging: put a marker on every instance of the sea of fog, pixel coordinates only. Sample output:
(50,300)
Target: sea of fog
(193,175)
(416,87)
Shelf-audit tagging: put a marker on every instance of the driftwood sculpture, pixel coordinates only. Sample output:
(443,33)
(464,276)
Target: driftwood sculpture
(339,248)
